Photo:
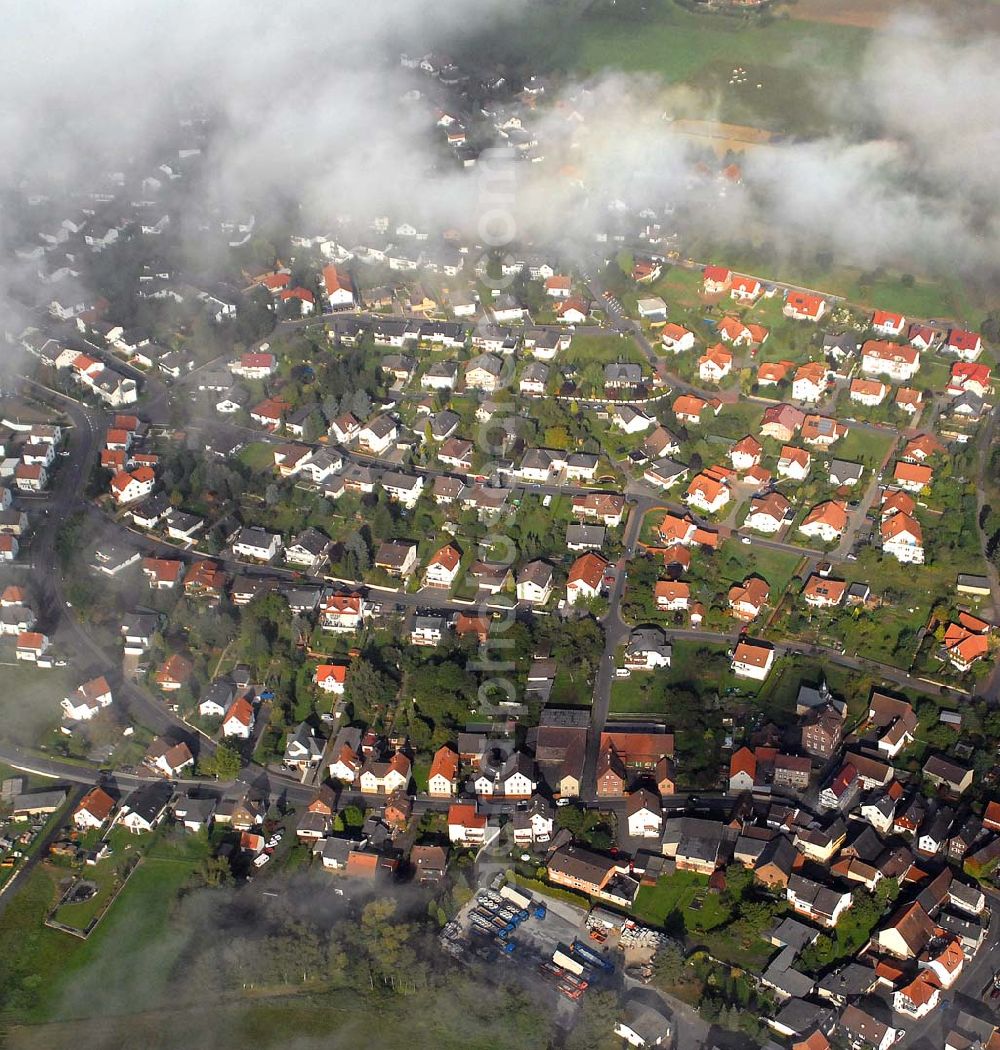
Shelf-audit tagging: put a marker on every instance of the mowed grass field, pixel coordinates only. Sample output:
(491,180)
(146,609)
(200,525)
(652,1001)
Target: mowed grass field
(49,975)
(318,1023)
(792,60)
(677,43)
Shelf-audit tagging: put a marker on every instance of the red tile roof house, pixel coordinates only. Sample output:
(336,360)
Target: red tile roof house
(715,364)
(802,306)
(752,660)
(676,338)
(965,345)
(94,809)
(888,324)
(585,578)
(908,400)
(270,413)
(238,721)
(912,477)
(30,477)
(746,453)
(969,377)
(688,409)
(745,289)
(31,646)
(330,677)
(442,780)
(716,280)
(707,493)
(127,487)
(826,521)
(465,826)
(559,287)
(881,358)
(339,287)
(746,599)
(162,573)
(443,567)
(305,299)
(671,596)
(174,674)
(342,612)
(254,365)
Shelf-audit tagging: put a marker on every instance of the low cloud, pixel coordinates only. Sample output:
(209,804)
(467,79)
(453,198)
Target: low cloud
(311,112)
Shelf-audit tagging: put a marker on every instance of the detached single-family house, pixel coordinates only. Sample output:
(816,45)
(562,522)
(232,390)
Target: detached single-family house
(746,453)
(967,346)
(903,538)
(378,435)
(256,544)
(768,514)
(88,700)
(676,338)
(586,578)
(94,809)
(643,814)
(707,493)
(882,358)
(397,557)
(715,280)
(869,392)
(794,463)
(715,364)
(803,306)
(752,660)
(330,678)
(810,382)
(826,521)
(534,583)
(238,721)
(888,325)
(303,749)
(338,287)
(442,568)
(126,487)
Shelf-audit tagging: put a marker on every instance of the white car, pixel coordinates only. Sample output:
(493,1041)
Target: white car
(259,862)
(746,540)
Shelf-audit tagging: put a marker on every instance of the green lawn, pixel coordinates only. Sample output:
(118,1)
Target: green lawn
(735,562)
(672,898)
(863,446)
(315,1020)
(258,455)
(634,695)
(47,974)
(699,666)
(676,43)
(29,706)
(733,421)
(79,914)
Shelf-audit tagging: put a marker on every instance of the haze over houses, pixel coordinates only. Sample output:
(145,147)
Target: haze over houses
(725,542)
